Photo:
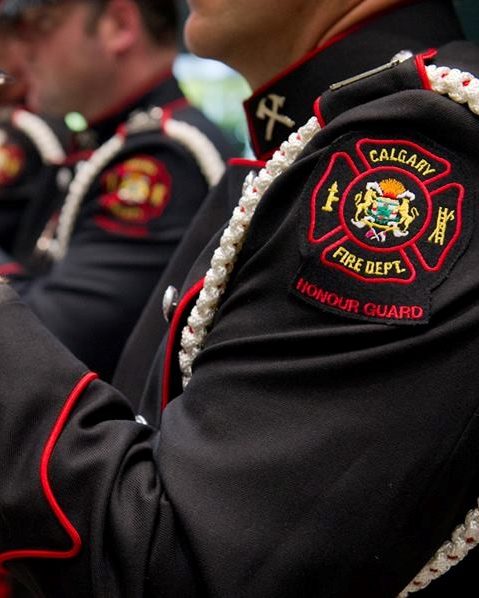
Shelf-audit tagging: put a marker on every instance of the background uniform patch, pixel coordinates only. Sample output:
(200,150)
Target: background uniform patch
(133,193)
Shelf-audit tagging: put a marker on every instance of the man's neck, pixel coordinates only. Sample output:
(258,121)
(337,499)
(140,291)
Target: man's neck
(329,20)
(133,75)
(362,10)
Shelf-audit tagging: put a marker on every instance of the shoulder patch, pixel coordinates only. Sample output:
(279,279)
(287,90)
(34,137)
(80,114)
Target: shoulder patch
(383,225)
(12,163)
(133,193)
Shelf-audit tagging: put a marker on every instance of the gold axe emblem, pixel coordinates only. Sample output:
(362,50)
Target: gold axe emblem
(272,112)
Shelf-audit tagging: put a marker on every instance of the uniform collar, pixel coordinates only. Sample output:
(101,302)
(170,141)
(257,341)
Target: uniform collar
(163,91)
(285,103)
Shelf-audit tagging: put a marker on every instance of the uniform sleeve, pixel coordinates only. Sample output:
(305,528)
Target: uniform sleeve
(52,537)
(316,451)
(128,229)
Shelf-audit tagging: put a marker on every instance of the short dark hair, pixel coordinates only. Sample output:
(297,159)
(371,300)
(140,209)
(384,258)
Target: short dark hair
(160,18)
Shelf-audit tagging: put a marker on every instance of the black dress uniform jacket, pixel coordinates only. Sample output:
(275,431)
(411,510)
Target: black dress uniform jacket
(322,447)
(130,221)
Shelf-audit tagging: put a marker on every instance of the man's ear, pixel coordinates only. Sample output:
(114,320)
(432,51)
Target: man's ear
(120,26)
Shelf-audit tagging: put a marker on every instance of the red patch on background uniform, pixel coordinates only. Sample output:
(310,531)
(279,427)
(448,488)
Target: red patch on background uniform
(384,226)
(12,162)
(135,192)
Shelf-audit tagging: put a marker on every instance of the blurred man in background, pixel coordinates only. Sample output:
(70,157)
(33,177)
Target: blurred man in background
(88,264)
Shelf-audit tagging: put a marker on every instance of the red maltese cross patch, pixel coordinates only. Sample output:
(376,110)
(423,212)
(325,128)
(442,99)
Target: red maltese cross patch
(135,192)
(384,224)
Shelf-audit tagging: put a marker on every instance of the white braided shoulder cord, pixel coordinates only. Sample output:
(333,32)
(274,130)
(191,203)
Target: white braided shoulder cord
(224,258)
(202,149)
(57,246)
(41,135)
(462,87)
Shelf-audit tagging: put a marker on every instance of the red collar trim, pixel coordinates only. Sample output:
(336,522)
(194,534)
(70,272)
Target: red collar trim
(327,44)
(301,110)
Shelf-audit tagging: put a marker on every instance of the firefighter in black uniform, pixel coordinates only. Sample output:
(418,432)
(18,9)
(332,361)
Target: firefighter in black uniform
(309,426)
(87,263)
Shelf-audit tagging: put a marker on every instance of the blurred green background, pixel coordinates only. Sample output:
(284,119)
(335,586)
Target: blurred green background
(468,11)
(219,92)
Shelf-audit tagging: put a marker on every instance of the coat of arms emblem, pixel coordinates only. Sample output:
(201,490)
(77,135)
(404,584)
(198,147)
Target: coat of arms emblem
(384,207)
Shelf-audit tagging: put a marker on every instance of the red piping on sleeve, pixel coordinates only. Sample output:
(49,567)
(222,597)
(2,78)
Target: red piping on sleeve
(421,69)
(47,489)
(5,589)
(175,322)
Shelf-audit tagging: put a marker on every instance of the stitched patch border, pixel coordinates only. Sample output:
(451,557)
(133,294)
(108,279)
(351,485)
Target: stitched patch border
(384,224)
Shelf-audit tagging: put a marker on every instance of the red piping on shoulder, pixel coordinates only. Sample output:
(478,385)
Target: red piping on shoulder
(9,269)
(175,322)
(75,157)
(247,163)
(47,489)
(318,113)
(421,69)
(174,106)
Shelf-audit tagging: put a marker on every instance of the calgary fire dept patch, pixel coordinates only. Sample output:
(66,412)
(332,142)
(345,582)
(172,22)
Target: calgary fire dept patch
(12,162)
(134,193)
(384,224)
